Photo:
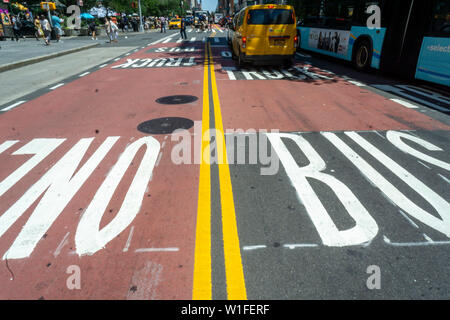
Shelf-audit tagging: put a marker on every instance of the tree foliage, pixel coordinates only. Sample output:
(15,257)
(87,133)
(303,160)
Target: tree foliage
(148,7)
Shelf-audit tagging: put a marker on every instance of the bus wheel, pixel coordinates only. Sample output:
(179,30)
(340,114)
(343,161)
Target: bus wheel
(363,55)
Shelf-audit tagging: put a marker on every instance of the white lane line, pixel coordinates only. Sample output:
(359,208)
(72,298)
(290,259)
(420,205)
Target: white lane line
(379,134)
(168,39)
(193,39)
(135,50)
(414,244)
(61,245)
(127,54)
(156,250)
(84,74)
(408,219)
(180,40)
(399,92)
(300,245)
(57,86)
(423,164)
(356,83)
(190,30)
(253,247)
(427,238)
(444,178)
(13,105)
(127,245)
(116,59)
(405,103)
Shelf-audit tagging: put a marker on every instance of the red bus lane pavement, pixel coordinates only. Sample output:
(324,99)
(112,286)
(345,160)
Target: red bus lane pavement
(84,193)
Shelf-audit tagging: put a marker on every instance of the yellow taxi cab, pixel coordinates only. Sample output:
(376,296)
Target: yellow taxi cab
(175,23)
(264,34)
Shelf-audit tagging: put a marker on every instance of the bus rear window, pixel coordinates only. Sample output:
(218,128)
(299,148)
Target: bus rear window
(270,16)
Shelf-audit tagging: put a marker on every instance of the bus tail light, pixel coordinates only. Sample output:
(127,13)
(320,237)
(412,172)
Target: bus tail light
(244,42)
(295,41)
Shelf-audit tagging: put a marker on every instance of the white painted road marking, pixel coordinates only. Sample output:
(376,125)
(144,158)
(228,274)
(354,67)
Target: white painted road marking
(127,245)
(13,105)
(405,103)
(59,85)
(7,144)
(84,74)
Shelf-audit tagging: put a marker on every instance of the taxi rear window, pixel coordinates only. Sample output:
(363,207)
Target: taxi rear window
(270,16)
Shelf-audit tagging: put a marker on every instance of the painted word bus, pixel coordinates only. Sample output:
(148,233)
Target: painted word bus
(405,37)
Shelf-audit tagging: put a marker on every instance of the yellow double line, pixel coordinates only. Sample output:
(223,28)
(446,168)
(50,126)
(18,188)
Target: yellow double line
(202,286)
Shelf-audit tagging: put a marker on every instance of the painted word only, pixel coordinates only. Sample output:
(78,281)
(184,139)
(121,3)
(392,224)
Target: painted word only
(61,182)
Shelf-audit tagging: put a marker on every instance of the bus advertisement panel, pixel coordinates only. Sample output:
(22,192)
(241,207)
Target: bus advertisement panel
(434,60)
(335,41)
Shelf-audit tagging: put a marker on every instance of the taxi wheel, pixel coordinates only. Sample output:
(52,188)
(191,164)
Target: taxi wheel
(233,55)
(240,59)
(288,62)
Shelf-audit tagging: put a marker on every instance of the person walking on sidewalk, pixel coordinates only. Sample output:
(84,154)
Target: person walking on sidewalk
(56,21)
(47,29)
(92,26)
(39,32)
(108,29)
(17,26)
(114,31)
(163,25)
(183,29)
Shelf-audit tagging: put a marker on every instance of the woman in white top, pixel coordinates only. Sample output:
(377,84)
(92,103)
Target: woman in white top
(47,30)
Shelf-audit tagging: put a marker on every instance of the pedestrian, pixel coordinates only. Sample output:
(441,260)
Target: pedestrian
(17,27)
(56,21)
(39,32)
(92,26)
(47,29)
(114,31)
(108,29)
(183,29)
(163,25)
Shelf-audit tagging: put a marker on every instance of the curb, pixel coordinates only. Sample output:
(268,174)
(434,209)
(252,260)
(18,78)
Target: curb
(22,63)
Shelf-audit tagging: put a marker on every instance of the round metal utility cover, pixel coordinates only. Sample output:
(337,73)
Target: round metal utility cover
(178,99)
(165,125)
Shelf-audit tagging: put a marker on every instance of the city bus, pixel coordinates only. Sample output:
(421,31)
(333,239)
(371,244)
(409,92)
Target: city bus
(411,40)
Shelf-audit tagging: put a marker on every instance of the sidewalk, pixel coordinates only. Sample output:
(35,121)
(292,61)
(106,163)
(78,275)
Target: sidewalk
(17,54)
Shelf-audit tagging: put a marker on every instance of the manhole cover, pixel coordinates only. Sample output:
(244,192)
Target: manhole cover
(179,99)
(165,125)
